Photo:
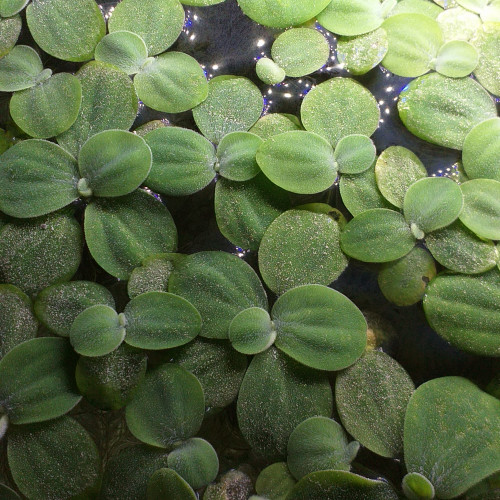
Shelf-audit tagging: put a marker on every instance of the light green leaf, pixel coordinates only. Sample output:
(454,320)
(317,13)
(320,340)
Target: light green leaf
(269,72)
(275,123)
(201,3)
(9,8)
(491,13)
(425,7)
(275,481)
(473,5)
(10,29)
(252,331)
(354,154)
(417,487)
(456,59)
(487,42)
(458,23)
(236,156)
(68,34)
(166,483)
(21,69)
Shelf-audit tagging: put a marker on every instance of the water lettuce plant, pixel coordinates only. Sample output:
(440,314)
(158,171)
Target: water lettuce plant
(249,249)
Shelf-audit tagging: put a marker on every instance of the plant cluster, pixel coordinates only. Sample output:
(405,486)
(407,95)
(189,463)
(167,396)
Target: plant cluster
(132,370)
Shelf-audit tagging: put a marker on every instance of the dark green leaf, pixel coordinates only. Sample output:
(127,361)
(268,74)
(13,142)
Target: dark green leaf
(20,69)
(166,483)
(275,481)
(10,29)
(252,331)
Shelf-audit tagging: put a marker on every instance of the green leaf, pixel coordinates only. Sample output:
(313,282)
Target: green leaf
(21,69)
(417,487)
(457,23)
(275,481)
(195,461)
(397,168)
(166,483)
(450,434)
(201,3)
(432,203)
(457,58)
(377,235)
(183,161)
(123,49)
(9,8)
(127,473)
(244,210)
(414,42)
(55,459)
(57,306)
(354,154)
(10,29)
(252,331)
(281,13)
(122,232)
(219,285)
(45,387)
(168,406)
(298,161)
(403,282)
(340,107)
(137,16)
(68,34)
(114,163)
(172,82)
(49,108)
(301,247)
(269,72)
(319,443)
(481,150)
(218,367)
(319,327)
(97,331)
(160,320)
(40,252)
(236,156)
(487,41)
(481,213)
(101,83)
(266,418)
(359,54)
(275,123)
(341,485)
(17,323)
(300,51)
(351,17)
(378,388)
(464,311)
(460,250)
(443,110)
(108,382)
(417,7)
(233,104)
(473,5)
(491,13)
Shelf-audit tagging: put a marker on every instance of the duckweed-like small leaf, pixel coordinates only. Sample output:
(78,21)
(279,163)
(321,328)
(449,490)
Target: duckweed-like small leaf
(378,388)
(275,481)
(168,406)
(457,23)
(319,327)
(481,150)
(219,285)
(10,29)
(233,104)
(68,34)
(377,235)
(172,82)
(460,250)
(281,13)
(397,168)
(351,17)
(269,72)
(45,387)
(21,69)
(160,320)
(319,443)
(300,51)
(450,434)
(17,322)
(417,487)
(244,210)
(274,124)
(301,247)
(236,156)
(481,213)
(122,232)
(49,108)
(183,161)
(456,58)
(114,162)
(195,460)
(340,107)
(9,8)
(123,49)
(100,83)
(298,161)
(97,331)
(443,110)
(57,306)
(487,41)
(354,154)
(166,483)
(252,331)
(432,203)
(265,417)
(403,282)
(359,54)
(55,459)
(464,311)
(40,252)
